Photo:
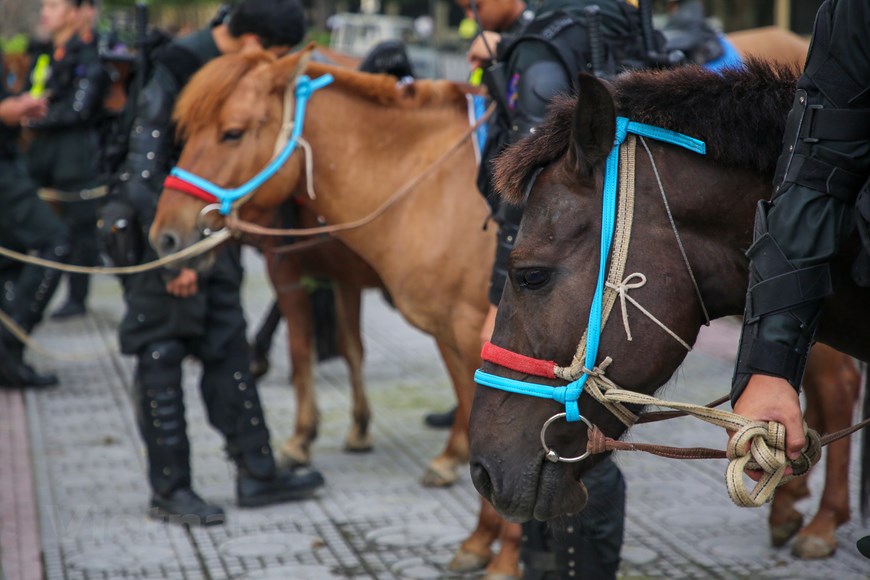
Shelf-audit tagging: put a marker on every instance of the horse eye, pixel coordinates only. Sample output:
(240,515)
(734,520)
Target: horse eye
(232,135)
(533,278)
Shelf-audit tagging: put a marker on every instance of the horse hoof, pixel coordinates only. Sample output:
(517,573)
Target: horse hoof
(464,561)
(435,477)
(782,533)
(358,444)
(259,365)
(813,548)
(292,456)
(286,462)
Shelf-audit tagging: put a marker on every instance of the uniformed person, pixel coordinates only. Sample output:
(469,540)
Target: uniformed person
(538,56)
(64,151)
(172,314)
(825,161)
(27,224)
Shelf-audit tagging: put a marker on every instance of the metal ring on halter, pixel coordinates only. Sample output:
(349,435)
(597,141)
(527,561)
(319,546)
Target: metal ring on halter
(200,221)
(552,455)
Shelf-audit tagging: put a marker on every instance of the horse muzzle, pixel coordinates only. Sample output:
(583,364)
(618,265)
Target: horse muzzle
(543,491)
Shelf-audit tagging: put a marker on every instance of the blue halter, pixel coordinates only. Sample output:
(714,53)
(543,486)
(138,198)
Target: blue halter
(569,394)
(305,87)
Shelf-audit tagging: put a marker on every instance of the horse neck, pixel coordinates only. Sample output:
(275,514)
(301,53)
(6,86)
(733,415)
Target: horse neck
(714,207)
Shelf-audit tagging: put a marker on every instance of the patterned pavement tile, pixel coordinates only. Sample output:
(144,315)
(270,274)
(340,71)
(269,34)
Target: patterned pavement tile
(373,519)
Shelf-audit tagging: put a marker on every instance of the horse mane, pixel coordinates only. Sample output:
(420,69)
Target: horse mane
(739,113)
(203,97)
(383,88)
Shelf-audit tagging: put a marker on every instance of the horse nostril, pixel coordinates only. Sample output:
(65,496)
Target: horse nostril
(168,243)
(480,477)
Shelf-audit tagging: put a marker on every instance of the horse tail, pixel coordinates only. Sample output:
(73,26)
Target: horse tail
(865,446)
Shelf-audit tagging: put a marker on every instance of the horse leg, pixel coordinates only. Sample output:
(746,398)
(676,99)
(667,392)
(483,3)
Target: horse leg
(475,552)
(506,564)
(442,470)
(835,396)
(348,305)
(296,308)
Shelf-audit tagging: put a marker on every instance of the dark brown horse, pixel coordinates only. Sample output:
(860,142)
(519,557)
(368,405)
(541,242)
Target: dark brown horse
(553,270)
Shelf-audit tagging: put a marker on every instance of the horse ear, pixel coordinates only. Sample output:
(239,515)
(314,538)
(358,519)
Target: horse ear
(293,65)
(594,124)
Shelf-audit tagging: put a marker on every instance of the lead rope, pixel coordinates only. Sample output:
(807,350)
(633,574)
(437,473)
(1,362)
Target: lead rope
(755,445)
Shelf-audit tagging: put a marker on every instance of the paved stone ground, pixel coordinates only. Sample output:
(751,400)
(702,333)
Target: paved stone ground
(373,520)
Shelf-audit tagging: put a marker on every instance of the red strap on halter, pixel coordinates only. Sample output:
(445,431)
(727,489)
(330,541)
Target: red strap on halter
(177,184)
(518,362)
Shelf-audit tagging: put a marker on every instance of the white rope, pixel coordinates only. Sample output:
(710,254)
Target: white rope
(200,247)
(15,330)
(622,289)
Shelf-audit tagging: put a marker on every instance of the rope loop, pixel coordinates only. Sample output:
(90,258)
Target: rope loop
(761,446)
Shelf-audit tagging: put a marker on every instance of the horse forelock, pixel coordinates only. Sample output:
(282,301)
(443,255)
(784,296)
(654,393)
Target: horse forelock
(740,114)
(202,99)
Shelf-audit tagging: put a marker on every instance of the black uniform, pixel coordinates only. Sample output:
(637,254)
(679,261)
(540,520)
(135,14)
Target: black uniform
(27,224)
(824,163)
(64,152)
(161,329)
(538,60)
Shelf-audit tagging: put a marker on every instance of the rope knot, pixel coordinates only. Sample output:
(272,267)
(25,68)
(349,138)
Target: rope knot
(598,371)
(622,290)
(761,446)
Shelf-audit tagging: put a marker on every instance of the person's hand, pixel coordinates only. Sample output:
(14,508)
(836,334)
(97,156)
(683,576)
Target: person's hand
(488,325)
(478,54)
(183,285)
(769,398)
(22,108)
(34,108)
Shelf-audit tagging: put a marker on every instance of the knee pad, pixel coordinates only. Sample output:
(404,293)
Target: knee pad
(160,364)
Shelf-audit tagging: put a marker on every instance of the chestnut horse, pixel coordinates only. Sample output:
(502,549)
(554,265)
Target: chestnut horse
(770,43)
(368,137)
(554,267)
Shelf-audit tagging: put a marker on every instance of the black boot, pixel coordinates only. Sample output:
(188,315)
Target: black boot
(164,429)
(183,506)
(233,404)
(441,420)
(260,482)
(14,372)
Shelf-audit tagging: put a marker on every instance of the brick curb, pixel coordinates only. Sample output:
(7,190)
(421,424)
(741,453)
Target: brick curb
(19,527)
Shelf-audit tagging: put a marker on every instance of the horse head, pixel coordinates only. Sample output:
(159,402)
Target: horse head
(554,269)
(230,117)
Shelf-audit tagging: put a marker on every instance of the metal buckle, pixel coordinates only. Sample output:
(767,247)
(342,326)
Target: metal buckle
(552,455)
(200,220)
(808,124)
